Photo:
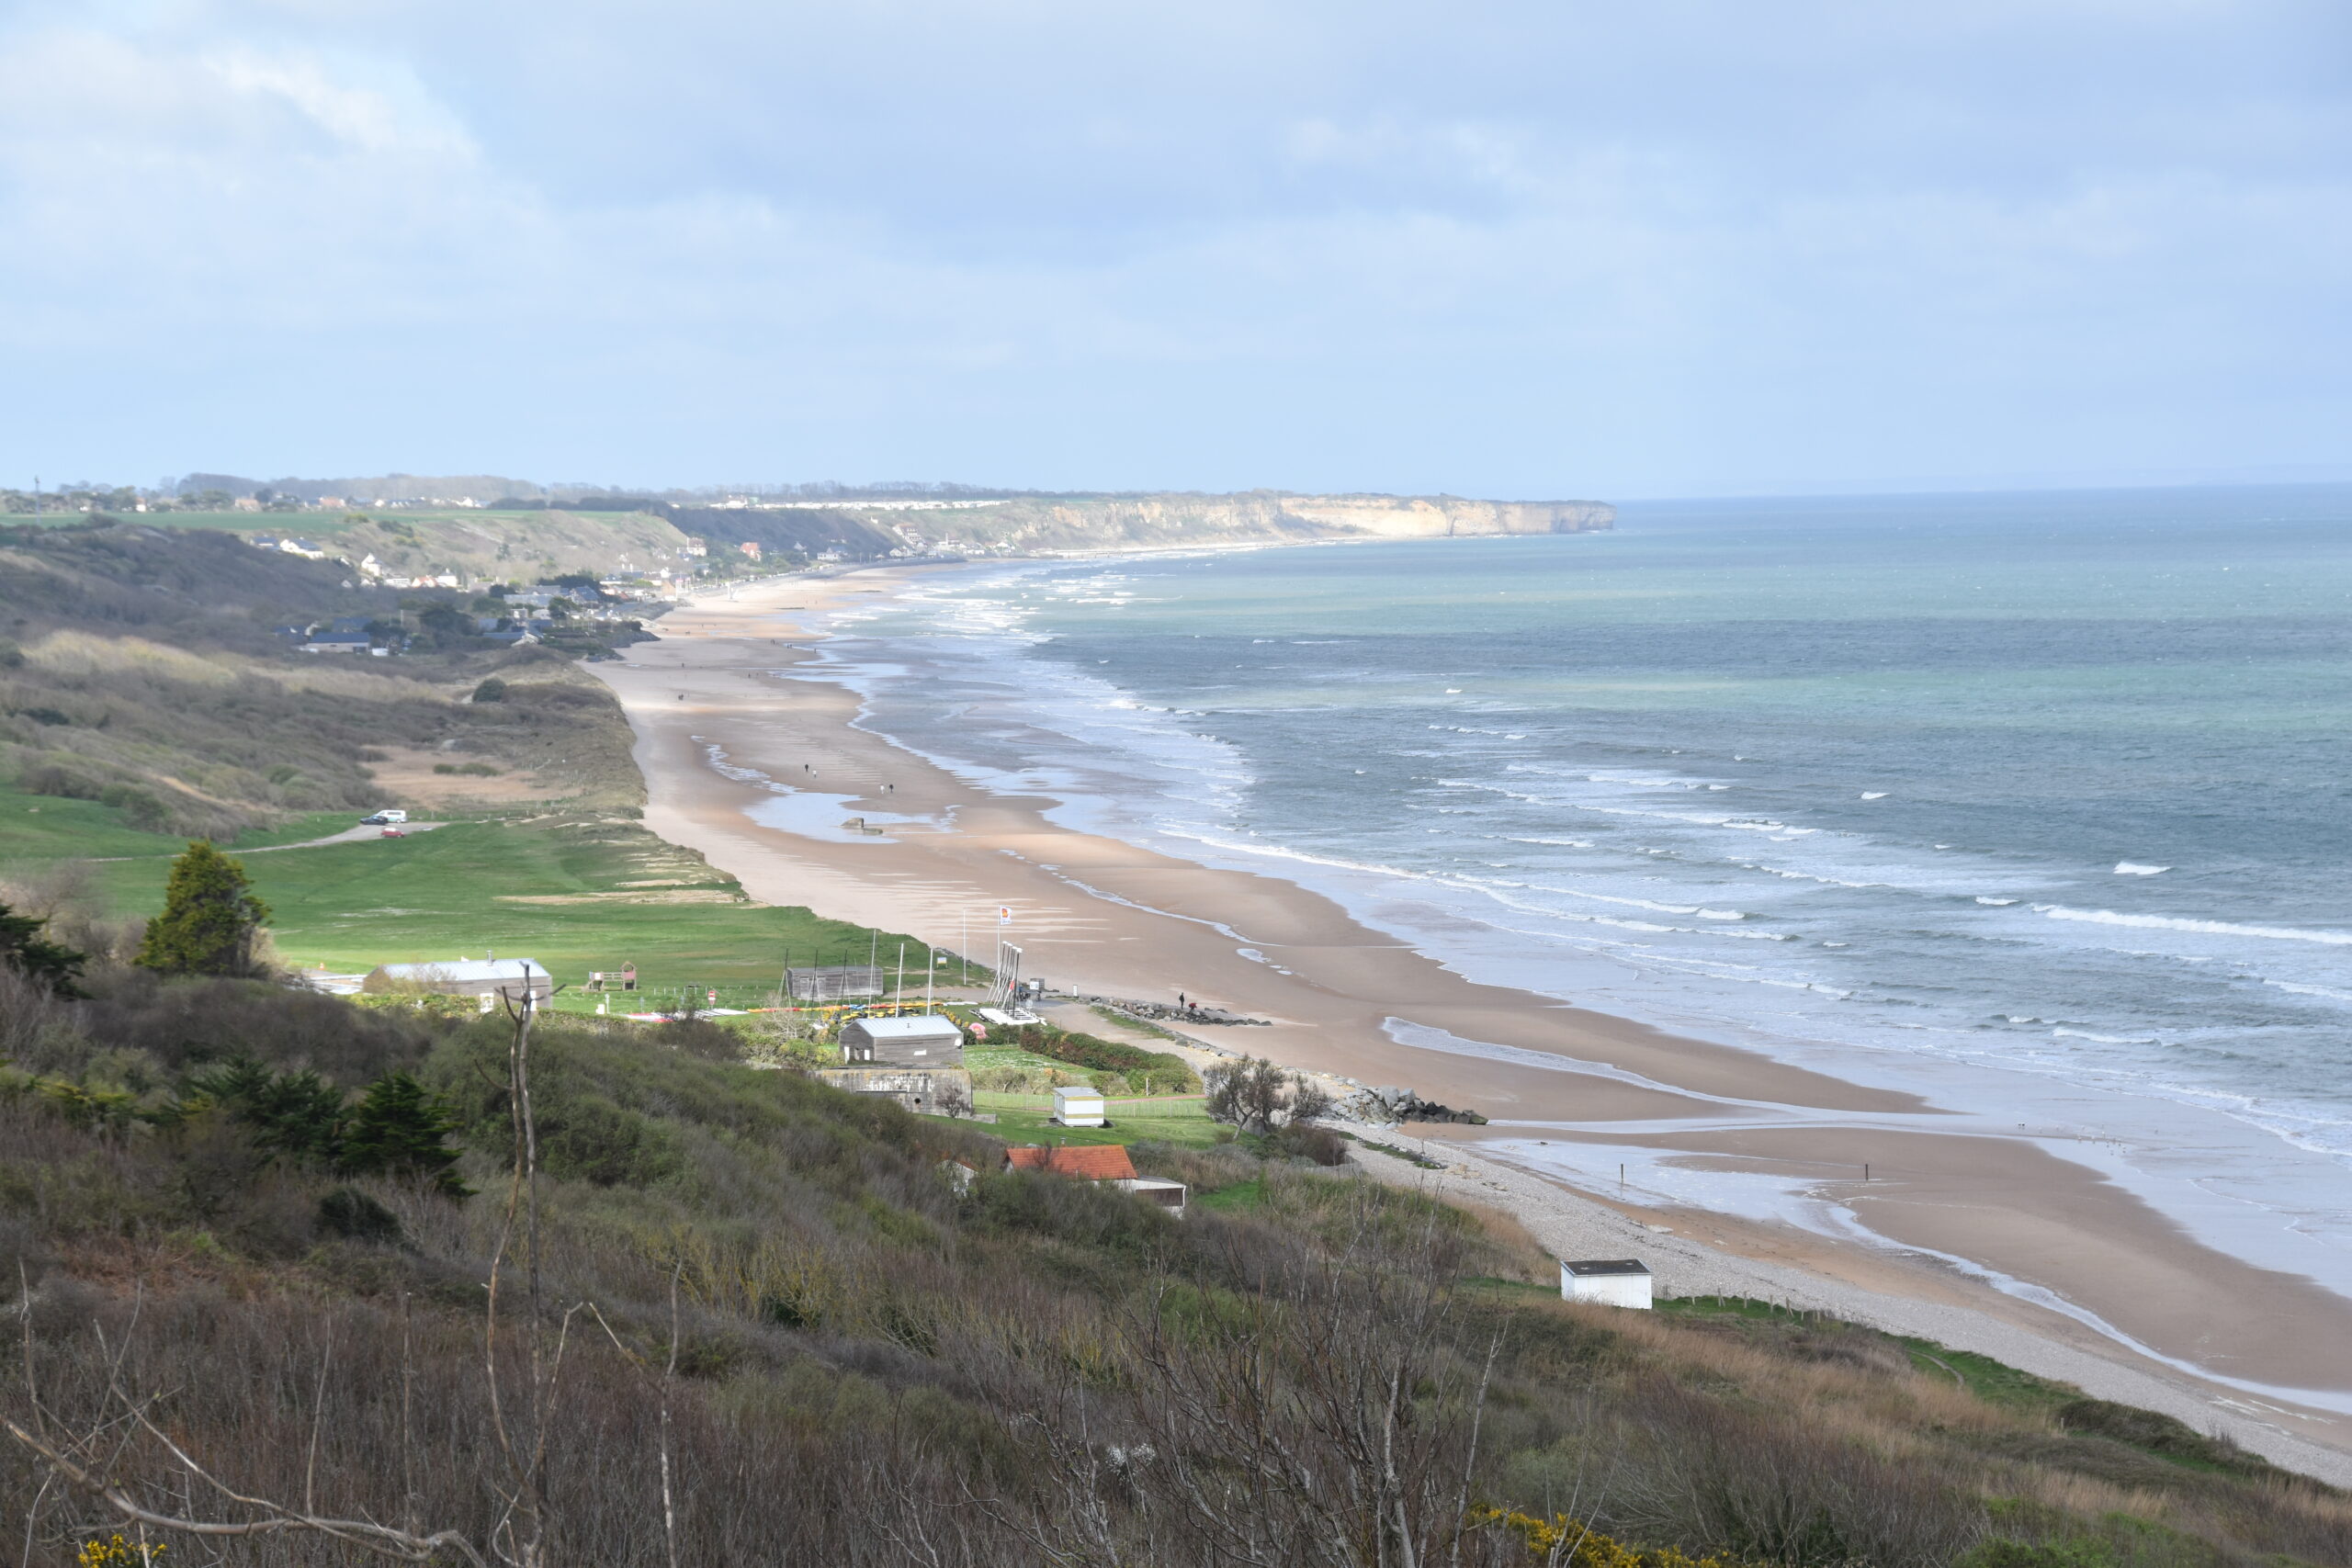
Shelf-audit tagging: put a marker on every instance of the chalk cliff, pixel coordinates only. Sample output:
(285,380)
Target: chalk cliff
(1056,522)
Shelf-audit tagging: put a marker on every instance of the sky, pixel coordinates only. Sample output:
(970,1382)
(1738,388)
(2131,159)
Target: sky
(1532,249)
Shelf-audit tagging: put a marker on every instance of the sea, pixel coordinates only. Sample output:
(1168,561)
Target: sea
(2033,802)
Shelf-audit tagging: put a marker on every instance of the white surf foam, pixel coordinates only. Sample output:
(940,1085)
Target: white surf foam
(2203,928)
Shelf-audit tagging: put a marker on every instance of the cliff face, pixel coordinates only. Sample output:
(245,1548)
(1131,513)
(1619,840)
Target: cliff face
(1417,517)
(1145,522)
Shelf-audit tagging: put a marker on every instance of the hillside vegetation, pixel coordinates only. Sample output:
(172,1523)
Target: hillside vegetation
(139,670)
(769,1298)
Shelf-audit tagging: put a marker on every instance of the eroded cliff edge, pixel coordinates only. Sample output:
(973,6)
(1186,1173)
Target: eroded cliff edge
(1068,523)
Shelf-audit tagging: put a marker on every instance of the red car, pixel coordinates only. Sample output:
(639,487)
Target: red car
(394,833)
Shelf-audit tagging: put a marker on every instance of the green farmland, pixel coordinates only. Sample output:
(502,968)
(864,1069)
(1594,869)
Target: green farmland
(576,893)
(42,828)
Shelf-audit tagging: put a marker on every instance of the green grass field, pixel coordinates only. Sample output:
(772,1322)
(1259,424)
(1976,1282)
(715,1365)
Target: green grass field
(40,827)
(554,890)
(1028,1118)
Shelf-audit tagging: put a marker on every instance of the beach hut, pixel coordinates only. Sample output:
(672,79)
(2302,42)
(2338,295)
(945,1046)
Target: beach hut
(1079,1106)
(1611,1281)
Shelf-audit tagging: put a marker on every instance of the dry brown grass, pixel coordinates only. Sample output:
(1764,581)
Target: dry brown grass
(847,1315)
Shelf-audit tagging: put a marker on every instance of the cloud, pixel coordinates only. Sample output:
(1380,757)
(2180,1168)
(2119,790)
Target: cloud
(1499,248)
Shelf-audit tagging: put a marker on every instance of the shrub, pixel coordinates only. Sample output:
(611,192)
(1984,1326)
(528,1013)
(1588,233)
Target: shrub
(1157,1069)
(352,1215)
(59,783)
(138,808)
(491,690)
(399,1129)
(49,966)
(1307,1141)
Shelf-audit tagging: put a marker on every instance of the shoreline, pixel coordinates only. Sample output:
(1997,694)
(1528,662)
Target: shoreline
(1100,915)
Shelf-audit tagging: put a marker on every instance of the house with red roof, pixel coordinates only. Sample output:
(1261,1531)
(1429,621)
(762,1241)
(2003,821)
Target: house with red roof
(1102,1164)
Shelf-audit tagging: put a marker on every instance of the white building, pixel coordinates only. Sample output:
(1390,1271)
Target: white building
(488,979)
(1611,1281)
(1079,1106)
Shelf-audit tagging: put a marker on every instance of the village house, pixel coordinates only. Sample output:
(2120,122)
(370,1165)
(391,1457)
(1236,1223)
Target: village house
(1104,1165)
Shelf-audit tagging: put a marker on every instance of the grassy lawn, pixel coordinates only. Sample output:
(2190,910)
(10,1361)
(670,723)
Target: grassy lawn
(1240,1196)
(556,891)
(1993,1382)
(1028,1118)
(980,1057)
(44,827)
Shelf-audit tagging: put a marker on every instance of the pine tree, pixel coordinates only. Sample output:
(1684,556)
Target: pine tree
(50,966)
(296,1113)
(209,920)
(398,1129)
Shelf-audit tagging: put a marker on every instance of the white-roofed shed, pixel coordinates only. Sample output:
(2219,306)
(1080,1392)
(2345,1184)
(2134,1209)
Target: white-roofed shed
(502,977)
(925,1041)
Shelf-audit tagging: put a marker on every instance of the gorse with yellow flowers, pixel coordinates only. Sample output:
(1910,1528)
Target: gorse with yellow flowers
(115,1552)
(1564,1542)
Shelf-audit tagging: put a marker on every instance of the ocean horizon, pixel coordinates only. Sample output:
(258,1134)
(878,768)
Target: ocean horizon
(2032,804)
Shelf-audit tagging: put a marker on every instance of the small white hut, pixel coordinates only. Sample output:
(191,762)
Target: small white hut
(1611,1281)
(1079,1106)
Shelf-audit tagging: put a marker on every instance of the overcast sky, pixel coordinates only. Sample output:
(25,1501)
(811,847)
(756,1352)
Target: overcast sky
(1544,249)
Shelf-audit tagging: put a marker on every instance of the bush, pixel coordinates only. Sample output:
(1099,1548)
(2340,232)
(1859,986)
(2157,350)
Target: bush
(352,1215)
(138,808)
(59,783)
(1305,1140)
(491,690)
(1157,1070)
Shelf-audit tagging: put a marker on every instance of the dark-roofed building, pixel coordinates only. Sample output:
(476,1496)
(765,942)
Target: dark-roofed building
(919,1062)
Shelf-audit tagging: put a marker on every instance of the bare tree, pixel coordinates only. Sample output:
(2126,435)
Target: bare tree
(1249,1094)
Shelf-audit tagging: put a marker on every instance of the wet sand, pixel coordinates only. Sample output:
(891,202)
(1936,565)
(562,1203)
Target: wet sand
(1098,915)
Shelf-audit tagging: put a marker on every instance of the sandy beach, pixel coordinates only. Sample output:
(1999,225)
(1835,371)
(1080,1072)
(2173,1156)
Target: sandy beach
(2263,1355)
